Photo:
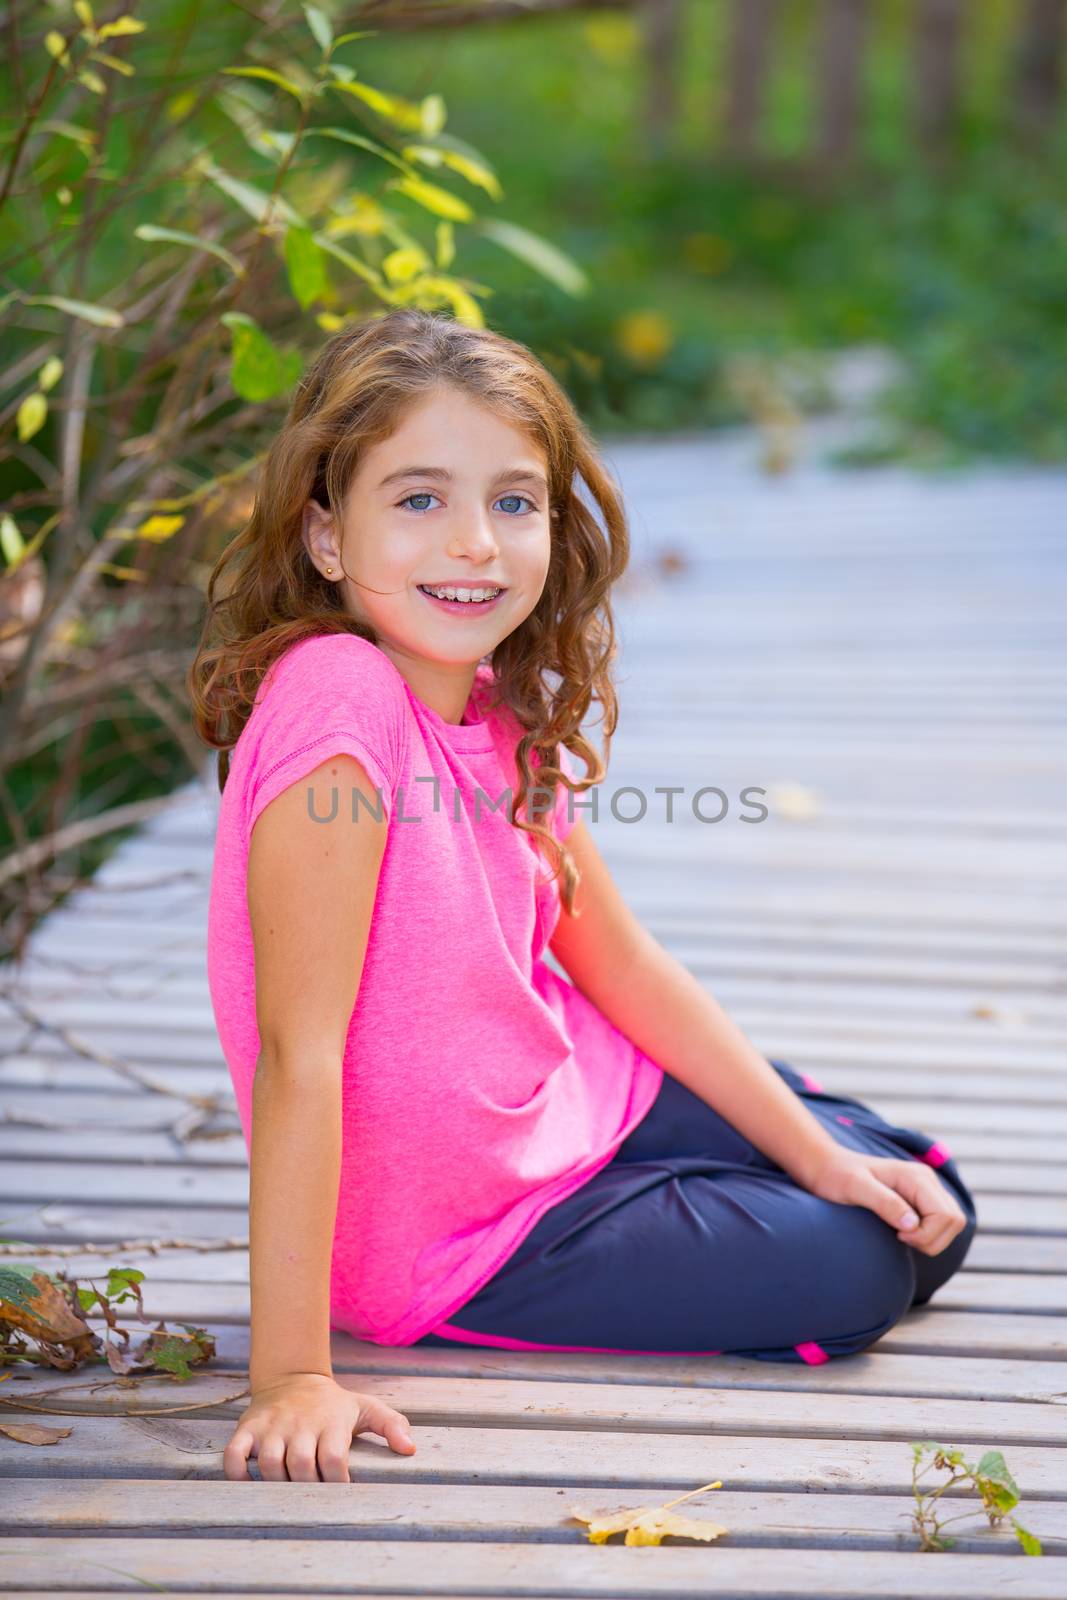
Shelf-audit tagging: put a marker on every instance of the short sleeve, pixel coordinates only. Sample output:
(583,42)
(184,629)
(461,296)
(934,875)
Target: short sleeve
(333,694)
(564,822)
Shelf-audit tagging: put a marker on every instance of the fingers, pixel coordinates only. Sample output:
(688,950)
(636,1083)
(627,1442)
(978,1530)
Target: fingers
(235,1455)
(301,1457)
(876,1191)
(334,1447)
(941,1216)
(271,1458)
(304,1455)
(392,1425)
(908,1191)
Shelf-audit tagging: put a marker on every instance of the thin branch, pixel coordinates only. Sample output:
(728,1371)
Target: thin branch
(76,833)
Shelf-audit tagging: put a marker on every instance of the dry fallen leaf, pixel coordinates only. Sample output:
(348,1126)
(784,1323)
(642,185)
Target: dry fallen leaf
(33,1304)
(33,1432)
(650,1524)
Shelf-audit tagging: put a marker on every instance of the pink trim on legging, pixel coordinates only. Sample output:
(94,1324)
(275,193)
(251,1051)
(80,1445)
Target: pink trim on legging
(812,1083)
(937,1155)
(499,1341)
(845,1119)
(813,1354)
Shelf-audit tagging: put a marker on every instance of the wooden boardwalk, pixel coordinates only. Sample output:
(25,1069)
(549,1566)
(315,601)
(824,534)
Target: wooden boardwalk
(885,656)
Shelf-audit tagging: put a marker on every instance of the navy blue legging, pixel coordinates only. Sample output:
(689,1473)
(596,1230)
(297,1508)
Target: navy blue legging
(692,1242)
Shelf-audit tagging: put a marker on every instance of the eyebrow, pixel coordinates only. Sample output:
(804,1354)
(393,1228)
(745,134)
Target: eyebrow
(510,475)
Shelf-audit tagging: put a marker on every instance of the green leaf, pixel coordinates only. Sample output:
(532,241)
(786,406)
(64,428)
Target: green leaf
(113,62)
(50,374)
(432,114)
(352,262)
(993,1465)
(545,258)
(102,316)
(364,143)
(239,101)
(269,77)
(119,1276)
(248,197)
(31,415)
(442,202)
(12,544)
(120,26)
(153,234)
(305,265)
(321,27)
(1030,1545)
(346,38)
(70,130)
(405,113)
(469,164)
(440,288)
(259,370)
(400,266)
(445,237)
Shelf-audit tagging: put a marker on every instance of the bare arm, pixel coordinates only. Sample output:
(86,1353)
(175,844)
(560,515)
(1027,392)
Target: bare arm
(311,891)
(657,1003)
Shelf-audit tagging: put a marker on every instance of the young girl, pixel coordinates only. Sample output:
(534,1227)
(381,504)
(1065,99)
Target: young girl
(449,1141)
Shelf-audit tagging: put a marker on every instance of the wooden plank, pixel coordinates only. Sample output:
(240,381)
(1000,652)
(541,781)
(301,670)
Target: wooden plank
(223,1158)
(839,1072)
(183,1185)
(940,1117)
(642,1399)
(1037,1292)
(748,985)
(865,904)
(63,1223)
(70,1224)
(941,1327)
(312,1566)
(880,1370)
(458,1511)
(124,1113)
(552,1449)
(187,1034)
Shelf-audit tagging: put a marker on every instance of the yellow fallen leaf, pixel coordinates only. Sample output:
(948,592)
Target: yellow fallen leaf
(651,1524)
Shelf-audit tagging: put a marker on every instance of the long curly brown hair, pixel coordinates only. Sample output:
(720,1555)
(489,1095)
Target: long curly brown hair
(264,593)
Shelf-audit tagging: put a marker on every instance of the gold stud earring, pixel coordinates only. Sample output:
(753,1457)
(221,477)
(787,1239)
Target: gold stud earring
(329,569)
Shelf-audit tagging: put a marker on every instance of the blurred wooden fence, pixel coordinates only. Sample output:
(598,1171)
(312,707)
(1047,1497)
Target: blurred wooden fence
(840,45)
(843,37)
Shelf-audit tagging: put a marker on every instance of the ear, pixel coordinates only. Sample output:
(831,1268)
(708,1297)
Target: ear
(319,537)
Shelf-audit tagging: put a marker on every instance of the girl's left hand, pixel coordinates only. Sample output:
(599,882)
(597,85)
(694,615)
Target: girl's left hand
(894,1190)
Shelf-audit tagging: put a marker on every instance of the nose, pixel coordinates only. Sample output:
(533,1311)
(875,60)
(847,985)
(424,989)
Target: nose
(474,538)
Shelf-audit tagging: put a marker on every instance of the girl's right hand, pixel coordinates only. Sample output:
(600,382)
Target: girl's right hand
(300,1430)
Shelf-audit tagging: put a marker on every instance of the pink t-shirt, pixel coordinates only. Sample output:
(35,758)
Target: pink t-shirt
(479,1087)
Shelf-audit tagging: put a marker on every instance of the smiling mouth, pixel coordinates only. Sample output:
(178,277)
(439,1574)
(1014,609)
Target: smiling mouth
(474,607)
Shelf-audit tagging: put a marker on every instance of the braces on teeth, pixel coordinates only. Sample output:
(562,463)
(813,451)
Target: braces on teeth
(461,594)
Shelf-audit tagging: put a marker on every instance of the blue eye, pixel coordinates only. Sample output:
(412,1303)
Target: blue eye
(425,494)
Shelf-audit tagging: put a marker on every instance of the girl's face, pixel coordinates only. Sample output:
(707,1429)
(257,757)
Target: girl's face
(456,497)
